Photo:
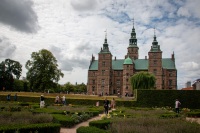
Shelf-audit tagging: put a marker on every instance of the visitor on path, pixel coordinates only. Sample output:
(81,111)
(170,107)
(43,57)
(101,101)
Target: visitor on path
(106,103)
(57,100)
(42,103)
(113,103)
(64,100)
(15,97)
(8,97)
(177,106)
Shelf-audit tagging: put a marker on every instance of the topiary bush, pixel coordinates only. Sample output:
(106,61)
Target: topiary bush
(102,124)
(90,129)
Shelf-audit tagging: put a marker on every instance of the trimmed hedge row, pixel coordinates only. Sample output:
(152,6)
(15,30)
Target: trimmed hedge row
(162,98)
(102,124)
(40,128)
(145,98)
(90,130)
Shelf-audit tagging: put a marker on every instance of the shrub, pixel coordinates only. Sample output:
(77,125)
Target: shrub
(193,114)
(64,120)
(90,130)
(172,115)
(41,128)
(102,124)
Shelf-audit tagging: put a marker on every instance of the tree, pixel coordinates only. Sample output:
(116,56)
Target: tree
(143,80)
(43,70)
(9,70)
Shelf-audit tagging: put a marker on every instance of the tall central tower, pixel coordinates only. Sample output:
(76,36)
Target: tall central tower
(104,69)
(133,48)
(155,62)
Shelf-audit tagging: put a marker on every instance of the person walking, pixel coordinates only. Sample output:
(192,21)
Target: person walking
(106,103)
(64,100)
(15,97)
(177,106)
(42,103)
(113,103)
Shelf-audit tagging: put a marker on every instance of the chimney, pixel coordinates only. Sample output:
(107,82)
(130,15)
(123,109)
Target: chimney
(115,58)
(173,56)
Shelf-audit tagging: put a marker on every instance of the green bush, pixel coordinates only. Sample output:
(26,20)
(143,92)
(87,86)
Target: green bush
(102,124)
(40,128)
(193,114)
(172,115)
(65,121)
(90,130)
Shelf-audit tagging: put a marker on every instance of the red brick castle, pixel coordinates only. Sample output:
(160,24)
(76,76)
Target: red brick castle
(111,76)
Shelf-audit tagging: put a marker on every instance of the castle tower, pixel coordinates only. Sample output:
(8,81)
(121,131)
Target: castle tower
(133,48)
(128,70)
(155,62)
(104,70)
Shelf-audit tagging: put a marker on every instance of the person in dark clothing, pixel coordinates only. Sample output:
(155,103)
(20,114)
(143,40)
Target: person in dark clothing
(15,97)
(8,97)
(106,103)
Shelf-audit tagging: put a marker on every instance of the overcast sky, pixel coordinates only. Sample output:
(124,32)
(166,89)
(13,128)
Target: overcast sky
(73,30)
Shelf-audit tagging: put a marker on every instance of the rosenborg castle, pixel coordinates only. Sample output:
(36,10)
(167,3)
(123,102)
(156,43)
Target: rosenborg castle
(108,75)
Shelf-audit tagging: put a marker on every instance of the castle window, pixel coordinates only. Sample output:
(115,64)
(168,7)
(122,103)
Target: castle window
(118,73)
(93,88)
(170,82)
(93,81)
(155,62)
(103,81)
(103,72)
(170,74)
(103,63)
(154,71)
(126,80)
(127,87)
(118,82)
(154,55)
(127,74)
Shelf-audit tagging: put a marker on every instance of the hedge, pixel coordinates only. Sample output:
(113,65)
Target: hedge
(90,130)
(144,98)
(41,128)
(64,120)
(162,98)
(102,124)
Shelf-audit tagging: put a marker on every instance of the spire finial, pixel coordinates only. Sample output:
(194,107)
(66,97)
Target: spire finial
(133,21)
(106,34)
(154,31)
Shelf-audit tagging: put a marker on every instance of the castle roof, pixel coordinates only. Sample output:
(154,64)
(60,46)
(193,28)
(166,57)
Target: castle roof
(140,64)
(128,61)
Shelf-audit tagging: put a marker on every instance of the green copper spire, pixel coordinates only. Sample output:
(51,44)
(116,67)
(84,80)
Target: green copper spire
(105,45)
(155,47)
(133,39)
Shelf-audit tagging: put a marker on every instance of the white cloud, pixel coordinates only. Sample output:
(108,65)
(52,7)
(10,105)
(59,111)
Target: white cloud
(190,66)
(74,30)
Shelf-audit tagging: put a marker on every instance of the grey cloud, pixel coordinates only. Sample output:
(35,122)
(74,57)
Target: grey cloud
(83,5)
(19,14)
(6,48)
(69,64)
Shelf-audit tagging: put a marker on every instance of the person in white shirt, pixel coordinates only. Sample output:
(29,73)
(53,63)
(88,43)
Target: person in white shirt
(177,106)
(64,100)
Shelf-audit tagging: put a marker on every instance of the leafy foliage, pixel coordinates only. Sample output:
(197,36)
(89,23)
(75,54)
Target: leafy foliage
(143,80)
(43,70)
(9,70)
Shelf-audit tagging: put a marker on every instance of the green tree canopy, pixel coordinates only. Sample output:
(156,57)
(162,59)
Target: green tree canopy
(143,80)
(43,70)
(9,70)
